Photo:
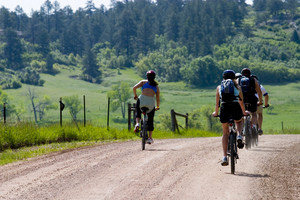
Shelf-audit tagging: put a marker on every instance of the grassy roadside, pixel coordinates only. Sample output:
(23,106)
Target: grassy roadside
(25,141)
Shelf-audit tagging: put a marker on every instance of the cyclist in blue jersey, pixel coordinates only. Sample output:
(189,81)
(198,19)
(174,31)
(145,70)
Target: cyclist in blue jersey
(232,106)
(150,95)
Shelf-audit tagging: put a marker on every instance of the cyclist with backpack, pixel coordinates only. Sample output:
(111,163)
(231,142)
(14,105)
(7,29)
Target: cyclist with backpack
(250,87)
(259,107)
(229,98)
(150,94)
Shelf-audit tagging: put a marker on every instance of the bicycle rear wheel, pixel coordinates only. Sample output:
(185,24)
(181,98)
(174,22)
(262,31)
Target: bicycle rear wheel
(232,153)
(255,136)
(144,133)
(247,132)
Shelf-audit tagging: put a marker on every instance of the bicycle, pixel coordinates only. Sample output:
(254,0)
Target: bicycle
(144,127)
(232,150)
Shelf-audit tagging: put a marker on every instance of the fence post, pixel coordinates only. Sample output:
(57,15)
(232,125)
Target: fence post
(187,121)
(133,114)
(84,119)
(108,104)
(4,113)
(129,117)
(173,120)
(60,111)
(282,126)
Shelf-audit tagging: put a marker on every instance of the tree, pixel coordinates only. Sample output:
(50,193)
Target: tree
(43,42)
(13,49)
(295,37)
(73,104)
(48,8)
(5,98)
(119,95)
(45,104)
(89,65)
(31,96)
(126,32)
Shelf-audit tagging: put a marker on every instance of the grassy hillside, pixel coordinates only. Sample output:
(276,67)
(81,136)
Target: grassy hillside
(284,99)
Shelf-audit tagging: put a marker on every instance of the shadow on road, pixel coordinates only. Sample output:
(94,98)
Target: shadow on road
(161,150)
(251,175)
(267,149)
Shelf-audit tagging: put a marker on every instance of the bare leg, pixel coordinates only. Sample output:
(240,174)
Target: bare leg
(254,118)
(150,134)
(260,120)
(137,120)
(225,138)
(239,126)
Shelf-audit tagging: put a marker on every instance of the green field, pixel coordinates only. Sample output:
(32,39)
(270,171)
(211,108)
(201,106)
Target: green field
(284,98)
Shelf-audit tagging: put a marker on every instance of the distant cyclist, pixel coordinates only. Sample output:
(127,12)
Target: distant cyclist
(250,87)
(150,94)
(260,108)
(229,98)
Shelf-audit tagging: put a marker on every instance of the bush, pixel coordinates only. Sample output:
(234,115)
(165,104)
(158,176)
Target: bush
(30,76)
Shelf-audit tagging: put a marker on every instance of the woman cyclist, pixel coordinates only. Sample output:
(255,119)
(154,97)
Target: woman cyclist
(150,94)
(233,107)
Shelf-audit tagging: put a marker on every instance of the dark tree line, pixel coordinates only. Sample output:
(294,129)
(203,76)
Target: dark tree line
(129,26)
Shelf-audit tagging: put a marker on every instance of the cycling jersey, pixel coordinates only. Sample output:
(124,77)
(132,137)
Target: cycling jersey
(263,91)
(147,85)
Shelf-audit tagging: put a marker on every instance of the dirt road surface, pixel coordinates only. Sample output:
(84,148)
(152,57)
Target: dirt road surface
(168,169)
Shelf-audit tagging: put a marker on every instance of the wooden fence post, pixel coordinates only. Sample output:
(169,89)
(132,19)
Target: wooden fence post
(4,113)
(61,107)
(84,116)
(129,116)
(173,120)
(187,121)
(108,104)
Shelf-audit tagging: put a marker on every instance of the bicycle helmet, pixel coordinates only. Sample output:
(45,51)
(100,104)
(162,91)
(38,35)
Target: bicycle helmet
(246,72)
(151,74)
(229,74)
(253,75)
(238,75)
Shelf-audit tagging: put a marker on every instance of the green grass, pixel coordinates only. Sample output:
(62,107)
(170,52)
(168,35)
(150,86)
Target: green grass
(284,98)
(25,140)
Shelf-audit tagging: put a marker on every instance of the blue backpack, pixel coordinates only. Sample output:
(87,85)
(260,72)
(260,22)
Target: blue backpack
(244,82)
(227,91)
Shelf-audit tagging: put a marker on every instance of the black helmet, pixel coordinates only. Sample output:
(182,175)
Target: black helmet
(151,74)
(246,72)
(229,74)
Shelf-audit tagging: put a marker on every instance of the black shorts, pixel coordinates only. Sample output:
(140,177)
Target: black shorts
(230,109)
(252,107)
(253,101)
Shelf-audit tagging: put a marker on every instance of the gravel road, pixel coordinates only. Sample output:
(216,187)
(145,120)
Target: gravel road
(168,169)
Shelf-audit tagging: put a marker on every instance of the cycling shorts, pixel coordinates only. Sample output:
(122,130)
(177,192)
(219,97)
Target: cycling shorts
(253,101)
(259,109)
(230,109)
(146,101)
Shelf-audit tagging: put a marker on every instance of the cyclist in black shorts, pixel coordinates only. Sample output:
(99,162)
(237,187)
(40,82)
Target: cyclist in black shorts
(253,88)
(231,104)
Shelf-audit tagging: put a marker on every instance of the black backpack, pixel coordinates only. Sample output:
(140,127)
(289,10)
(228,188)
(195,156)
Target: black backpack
(247,85)
(227,91)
